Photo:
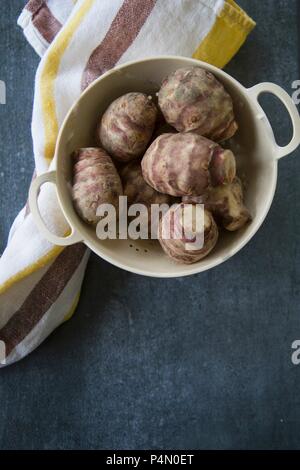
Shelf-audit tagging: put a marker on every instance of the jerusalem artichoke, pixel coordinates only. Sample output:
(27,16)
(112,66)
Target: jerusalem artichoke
(226,203)
(127,125)
(183,233)
(95,181)
(186,164)
(192,99)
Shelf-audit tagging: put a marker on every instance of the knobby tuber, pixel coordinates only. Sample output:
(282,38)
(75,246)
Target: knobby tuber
(186,164)
(192,99)
(226,202)
(95,181)
(183,233)
(127,125)
(137,190)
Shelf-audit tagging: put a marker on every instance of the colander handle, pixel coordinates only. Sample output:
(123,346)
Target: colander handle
(285,98)
(34,190)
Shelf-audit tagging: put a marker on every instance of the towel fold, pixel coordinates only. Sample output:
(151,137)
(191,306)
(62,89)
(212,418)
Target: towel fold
(78,41)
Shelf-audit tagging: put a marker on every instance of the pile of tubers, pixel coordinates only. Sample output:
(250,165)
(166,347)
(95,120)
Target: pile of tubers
(169,153)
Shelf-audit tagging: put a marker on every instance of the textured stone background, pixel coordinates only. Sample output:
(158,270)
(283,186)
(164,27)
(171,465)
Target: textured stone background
(199,362)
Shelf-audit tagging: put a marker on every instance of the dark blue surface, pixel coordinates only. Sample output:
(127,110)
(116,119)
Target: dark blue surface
(199,362)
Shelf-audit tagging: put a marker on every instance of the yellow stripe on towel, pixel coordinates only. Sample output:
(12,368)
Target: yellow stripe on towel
(47,84)
(49,75)
(228,34)
(53,253)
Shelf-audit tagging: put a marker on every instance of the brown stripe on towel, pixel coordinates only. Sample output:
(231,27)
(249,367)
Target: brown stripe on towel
(122,32)
(34,5)
(43,20)
(42,297)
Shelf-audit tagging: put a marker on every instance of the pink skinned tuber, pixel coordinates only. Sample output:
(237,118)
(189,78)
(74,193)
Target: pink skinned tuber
(95,181)
(177,247)
(192,99)
(127,125)
(226,203)
(137,190)
(186,164)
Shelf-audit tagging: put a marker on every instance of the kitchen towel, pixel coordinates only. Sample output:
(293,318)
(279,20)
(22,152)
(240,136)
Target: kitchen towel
(78,41)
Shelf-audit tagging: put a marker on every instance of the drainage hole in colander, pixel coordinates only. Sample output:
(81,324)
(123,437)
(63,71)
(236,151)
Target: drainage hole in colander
(137,249)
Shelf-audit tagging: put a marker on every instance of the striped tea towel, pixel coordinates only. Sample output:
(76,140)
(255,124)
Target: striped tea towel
(78,41)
